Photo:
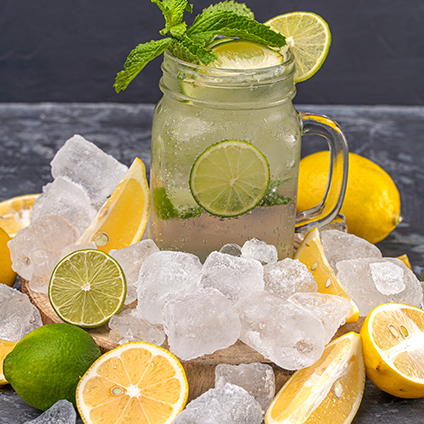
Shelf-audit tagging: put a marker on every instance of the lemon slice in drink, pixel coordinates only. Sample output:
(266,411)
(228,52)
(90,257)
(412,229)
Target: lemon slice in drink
(308,37)
(229,178)
(392,339)
(329,391)
(137,382)
(238,54)
(87,287)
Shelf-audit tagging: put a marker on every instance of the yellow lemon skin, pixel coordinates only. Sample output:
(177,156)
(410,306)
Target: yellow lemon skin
(7,275)
(380,373)
(372,201)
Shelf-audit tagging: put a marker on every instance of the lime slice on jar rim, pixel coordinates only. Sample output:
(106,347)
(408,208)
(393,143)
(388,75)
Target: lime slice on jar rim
(308,37)
(229,178)
(87,287)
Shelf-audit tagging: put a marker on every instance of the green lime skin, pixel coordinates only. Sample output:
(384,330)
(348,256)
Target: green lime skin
(47,364)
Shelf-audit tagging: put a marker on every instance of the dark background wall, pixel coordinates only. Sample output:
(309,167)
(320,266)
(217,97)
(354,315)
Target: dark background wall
(71,50)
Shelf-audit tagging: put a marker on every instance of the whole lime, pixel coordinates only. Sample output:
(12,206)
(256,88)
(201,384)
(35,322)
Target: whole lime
(47,364)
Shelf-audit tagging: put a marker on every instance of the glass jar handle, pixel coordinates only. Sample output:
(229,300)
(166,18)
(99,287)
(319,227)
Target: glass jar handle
(330,205)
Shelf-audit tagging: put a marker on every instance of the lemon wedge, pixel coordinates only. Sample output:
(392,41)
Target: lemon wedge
(122,219)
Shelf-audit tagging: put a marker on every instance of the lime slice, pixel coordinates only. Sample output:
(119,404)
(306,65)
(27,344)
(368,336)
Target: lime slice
(308,37)
(87,287)
(175,203)
(237,54)
(229,178)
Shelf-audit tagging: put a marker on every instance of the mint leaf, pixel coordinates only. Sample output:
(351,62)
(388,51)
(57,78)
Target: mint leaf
(137,60)
(272,197)
(238,8)
(178,31)
(202,54)
(229,24)
(173,11)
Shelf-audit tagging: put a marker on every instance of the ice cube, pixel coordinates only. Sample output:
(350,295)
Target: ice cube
(62,412)
(339,246)
(234,277)
(67,250)
(84,163)
(65,198)
(287,277)
(200,323)
(18,316)
(256,378)
(50,233)
(330,309)
(229,404)
(231,249)
(259,250)
(128,327)
(281,331)
(163,276)
(370,282)
(131,259)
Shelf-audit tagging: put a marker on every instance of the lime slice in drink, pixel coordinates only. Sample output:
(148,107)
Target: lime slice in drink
(238,54)
(229,178)
(308,37)
(87,287)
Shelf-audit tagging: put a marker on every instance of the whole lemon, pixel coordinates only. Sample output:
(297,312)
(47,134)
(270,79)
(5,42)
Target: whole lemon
(7,275)
(372,201)
(47,364)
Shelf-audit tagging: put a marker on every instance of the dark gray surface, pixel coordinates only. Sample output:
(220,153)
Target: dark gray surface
(390,136)
(66,51)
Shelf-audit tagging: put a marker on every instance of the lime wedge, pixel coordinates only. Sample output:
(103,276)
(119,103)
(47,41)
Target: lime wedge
(87,287)
(237,54)
(308,37)
(229,178)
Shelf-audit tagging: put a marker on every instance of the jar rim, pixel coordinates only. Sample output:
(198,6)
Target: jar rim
(226,72)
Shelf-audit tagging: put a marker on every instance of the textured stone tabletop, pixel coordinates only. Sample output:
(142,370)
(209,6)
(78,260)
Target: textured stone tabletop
(30,134)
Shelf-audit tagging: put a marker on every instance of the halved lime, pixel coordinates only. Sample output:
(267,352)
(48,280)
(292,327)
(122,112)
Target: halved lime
(308,37)
(87,287)
(238,54)
(229,178)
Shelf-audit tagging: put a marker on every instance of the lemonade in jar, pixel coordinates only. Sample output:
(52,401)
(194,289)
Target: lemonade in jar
(226,138)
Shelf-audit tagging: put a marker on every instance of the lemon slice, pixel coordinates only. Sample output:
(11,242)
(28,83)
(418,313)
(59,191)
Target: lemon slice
(229,178)
(311,253)
(16,212)
(87,287)
(329,391)
(404,258)
(238,54)
(308,37)
(392,338)
(122,219)
(137,382)
(5,348)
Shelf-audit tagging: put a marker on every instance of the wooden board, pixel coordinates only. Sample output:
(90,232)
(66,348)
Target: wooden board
(200,371)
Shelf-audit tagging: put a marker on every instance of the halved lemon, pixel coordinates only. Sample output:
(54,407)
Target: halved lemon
(122,219)
(16,212)
(229,178)
(6,347)
(137,382)
(311,253)
(393,344)
(329,391)
(87,287)
(308,37)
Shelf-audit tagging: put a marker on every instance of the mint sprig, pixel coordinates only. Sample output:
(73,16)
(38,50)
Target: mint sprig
(227,19)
